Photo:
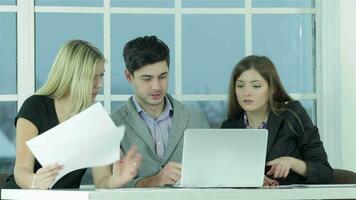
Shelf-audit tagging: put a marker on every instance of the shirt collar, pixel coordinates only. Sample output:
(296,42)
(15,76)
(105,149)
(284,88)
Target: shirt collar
(168,109)
(263,124)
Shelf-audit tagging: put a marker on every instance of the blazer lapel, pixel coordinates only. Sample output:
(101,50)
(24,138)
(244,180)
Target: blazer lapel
(273,124)
(238,123)
(179,124)
(139,126)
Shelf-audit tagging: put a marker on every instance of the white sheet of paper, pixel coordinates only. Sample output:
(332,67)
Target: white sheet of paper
(87,139)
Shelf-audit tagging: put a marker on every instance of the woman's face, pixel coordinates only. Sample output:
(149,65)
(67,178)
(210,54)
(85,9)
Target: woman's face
(99,74)
(251,91)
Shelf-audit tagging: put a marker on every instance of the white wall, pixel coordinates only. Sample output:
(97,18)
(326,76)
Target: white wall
(348,82)
(337,78)
(329,79)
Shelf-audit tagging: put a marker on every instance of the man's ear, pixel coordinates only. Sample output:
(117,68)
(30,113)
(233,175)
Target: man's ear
(128,76)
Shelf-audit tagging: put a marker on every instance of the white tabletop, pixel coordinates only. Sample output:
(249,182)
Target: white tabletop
(295,192)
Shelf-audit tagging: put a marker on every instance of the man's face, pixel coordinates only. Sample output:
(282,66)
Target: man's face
(150,84)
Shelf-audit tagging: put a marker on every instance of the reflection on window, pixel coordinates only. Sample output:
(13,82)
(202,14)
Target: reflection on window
(143,3)
(310,107)
(116,105)
(214,111)
(160,25)
(284,3)
(85,3)
(288,40)
(212,45)
(8,2)
(61,28)
(213,3)
(8,53)
(7,136)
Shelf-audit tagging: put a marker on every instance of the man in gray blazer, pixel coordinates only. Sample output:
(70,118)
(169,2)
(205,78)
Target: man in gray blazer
(154,120)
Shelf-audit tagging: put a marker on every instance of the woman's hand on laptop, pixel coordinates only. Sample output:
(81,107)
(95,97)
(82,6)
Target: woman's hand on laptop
(269,182)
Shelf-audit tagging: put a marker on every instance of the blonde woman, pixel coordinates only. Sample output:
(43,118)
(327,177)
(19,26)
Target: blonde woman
(72,85)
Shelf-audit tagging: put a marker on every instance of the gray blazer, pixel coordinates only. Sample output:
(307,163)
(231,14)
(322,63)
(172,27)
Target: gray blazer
(137,133)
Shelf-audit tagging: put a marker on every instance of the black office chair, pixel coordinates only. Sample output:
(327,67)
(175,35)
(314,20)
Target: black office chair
(342,176)
(3,178)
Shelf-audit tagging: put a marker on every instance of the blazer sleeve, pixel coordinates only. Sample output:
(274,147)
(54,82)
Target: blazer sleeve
(312,150)
(203,122)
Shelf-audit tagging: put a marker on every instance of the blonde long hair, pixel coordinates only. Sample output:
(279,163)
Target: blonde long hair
(72,74)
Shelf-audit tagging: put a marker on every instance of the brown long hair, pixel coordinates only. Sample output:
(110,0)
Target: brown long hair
(277,95)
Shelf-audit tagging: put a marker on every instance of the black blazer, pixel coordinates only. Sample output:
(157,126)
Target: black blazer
(304,145)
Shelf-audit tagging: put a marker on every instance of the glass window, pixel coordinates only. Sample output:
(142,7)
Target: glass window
(310,106)
(84,3)
(213,3)
(212,45)
(8,53)
(8,112)
(288,40)
(143,3)
(116,104)
(125,27)
(284,3)
(87,178)
(53,30)
(214,111)
(8,2)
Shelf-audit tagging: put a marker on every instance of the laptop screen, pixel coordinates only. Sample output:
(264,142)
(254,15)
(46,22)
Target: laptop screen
(223,157)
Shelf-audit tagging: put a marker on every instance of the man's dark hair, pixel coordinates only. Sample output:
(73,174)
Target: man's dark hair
(144,50)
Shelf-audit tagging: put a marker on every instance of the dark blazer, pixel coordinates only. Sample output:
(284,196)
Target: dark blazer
(304,145)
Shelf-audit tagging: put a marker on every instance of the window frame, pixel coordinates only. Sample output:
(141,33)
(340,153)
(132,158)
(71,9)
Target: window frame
(327,105)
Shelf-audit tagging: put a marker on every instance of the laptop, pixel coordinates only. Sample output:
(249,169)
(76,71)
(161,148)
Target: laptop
(223,157)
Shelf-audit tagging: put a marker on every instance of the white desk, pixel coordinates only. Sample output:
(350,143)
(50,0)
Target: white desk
(345,192)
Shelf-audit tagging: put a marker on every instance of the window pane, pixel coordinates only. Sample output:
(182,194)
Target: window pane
(89,3)
(214,111)
(8,2)
(213,3)
(87,177)
(8,112)
(8,53)
(212,45)
(288,40)
(116,105)
(53,30)
(310,107)
(160,25)
(143,3)
(284,3)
